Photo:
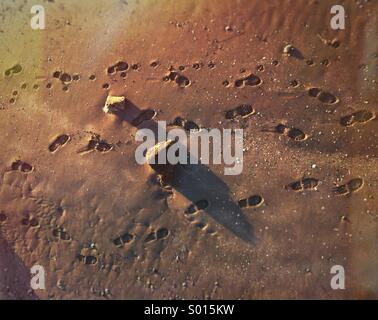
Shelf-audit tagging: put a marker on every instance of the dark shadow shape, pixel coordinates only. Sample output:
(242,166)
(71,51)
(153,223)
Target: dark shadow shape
(14,276)
(197,182)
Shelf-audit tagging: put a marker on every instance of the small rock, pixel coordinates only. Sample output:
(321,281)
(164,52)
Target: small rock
(152,153)
(288,49)
(114,104)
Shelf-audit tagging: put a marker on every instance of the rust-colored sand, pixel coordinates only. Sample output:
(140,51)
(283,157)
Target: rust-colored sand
(73,199)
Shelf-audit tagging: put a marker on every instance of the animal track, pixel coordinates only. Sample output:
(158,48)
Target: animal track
(251,80)
(304,184)
(124,239)
(360,116)
(251,202)
(13,70)
(350,187)
(145,115)
(322,96)
(21,166)
(58,142)
(61,234)
(243,110)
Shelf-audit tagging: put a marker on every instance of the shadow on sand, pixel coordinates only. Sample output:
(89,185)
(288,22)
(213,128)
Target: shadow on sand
(197,182)
(14,276)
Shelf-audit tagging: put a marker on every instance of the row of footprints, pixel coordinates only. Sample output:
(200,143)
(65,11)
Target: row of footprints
(88,256)
(193,215)
(27,221)
(154,235)
(303,184)
(348,188)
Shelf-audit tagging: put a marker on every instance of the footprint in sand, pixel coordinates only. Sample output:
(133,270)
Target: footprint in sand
(254,201)
(88,260)
(29,222)
(291,132)
(185,124)
(197,206)
(296,134)
(201,224)
(97,144)
(360,116)
(192,214)
(160,234)
(59,142)
(179,79)
(64,77)
(182,81)
(13,70)
(243,111)
(120,66)
(88,255)
(61,234)
(350,187)
(304,184)
(250,80)
(124,239)
(323,96)
(21,166)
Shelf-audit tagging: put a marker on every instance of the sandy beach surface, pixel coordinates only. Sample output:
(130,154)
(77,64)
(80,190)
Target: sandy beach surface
(74,200)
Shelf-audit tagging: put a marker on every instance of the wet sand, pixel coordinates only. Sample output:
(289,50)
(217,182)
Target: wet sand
(105,227)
